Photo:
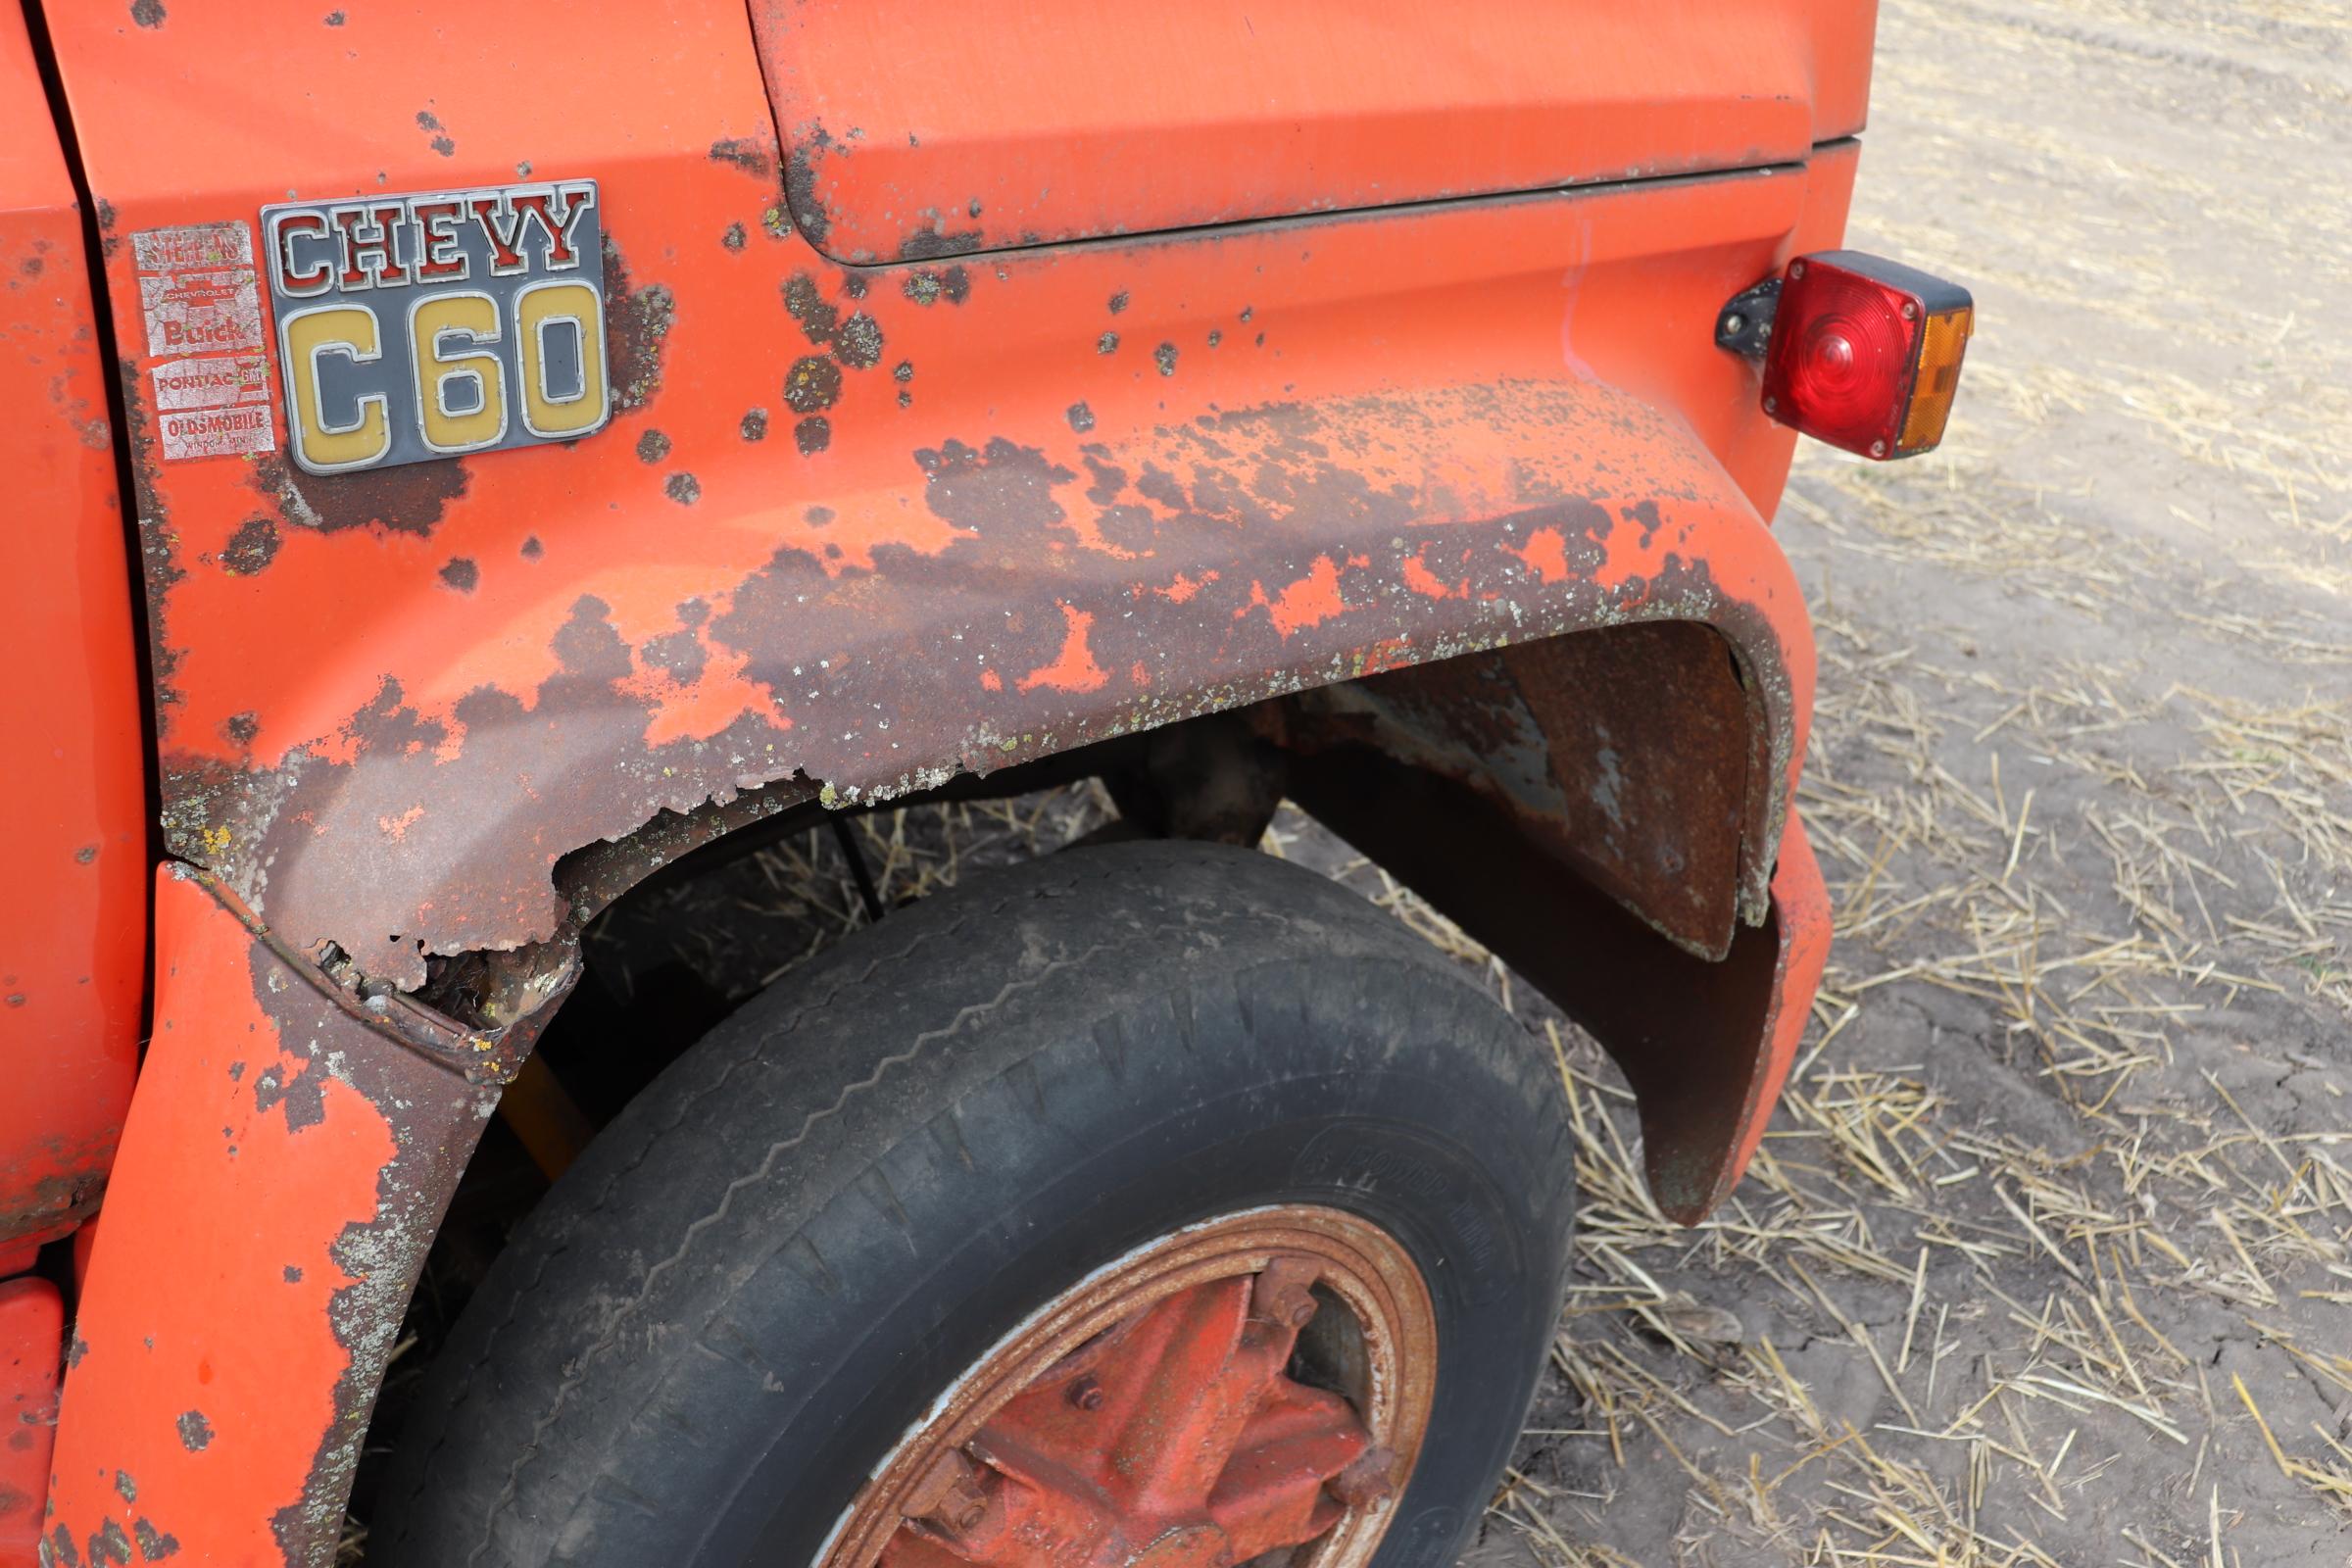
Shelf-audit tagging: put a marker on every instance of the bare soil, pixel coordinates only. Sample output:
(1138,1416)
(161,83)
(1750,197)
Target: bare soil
(2045,1258)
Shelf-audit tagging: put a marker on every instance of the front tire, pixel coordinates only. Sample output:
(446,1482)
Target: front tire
(754,1288)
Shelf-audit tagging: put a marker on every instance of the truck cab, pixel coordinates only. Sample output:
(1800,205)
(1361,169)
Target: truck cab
(477,464)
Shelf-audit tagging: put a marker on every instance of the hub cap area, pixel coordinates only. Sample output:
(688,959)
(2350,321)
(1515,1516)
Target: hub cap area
(1257,1385)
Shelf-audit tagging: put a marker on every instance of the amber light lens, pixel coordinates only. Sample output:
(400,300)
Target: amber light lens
(1941,348)
(1865,353)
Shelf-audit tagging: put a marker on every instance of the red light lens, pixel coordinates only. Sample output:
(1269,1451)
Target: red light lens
(1841,357)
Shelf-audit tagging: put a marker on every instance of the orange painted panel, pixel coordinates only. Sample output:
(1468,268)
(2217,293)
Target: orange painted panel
(925,128)
(284,1169)
(397,700)
(73,926)
(31,1347)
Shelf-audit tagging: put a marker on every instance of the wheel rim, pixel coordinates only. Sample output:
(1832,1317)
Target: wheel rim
(1249,1387)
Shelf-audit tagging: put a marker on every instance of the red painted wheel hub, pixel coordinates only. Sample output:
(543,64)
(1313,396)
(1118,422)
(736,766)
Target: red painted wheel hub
(1256,1384)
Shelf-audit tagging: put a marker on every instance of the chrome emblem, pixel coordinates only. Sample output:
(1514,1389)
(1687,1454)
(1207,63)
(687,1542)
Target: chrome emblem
(438,324)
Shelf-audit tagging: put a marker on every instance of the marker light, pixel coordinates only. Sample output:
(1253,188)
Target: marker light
(1865,353)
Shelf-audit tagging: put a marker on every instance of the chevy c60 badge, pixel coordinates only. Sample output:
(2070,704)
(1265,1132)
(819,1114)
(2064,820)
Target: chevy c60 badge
(438,324)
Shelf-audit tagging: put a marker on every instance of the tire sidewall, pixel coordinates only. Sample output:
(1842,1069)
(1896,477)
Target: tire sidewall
(1347,1085)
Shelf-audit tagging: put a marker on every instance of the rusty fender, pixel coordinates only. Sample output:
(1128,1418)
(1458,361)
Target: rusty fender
(289,1150)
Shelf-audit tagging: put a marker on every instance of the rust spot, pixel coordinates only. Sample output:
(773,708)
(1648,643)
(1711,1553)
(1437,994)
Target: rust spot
(813,434)
(683,488)
(800,183)
(651,446)
(334,18)
(1107,343)
(979,489)
(195,1432)
(805,302)
(1082,417)
(928,285)
(250,547)
(747,154)
(735,238)
(636,325)
(927,244)
(154,1545)
(755,426)
(1118,302)
(460,573)
(147,13)
(812,385)
(241,728)
(408,499)
(858,343)
(1164,357)
(125,1487)
(109,1544)
(426,122)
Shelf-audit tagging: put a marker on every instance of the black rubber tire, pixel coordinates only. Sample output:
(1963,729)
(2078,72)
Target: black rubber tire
(734,1305)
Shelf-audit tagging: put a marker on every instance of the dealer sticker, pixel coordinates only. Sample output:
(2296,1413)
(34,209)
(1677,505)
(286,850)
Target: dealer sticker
(201,300)
(438,324)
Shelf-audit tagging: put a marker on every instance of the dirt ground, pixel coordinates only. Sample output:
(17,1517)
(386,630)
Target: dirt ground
(2047,1256)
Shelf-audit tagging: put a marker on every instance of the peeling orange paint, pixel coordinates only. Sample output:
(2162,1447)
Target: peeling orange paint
(1308,602)
(1074,669)
(698,710)
(1421,581)
(1545,555)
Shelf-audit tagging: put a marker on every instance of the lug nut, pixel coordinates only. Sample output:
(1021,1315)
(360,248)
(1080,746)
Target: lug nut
(1284,1293)
(950,1475)
(951,1495)
(1085,1393)
(1369,1479)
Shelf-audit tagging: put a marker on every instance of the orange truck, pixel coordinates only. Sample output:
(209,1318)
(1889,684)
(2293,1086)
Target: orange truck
(469,460)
